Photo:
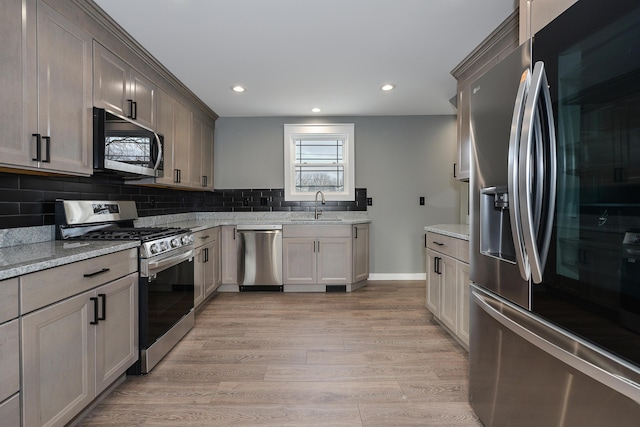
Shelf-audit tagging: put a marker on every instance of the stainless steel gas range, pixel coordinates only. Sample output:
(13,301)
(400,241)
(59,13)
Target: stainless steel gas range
(166,285)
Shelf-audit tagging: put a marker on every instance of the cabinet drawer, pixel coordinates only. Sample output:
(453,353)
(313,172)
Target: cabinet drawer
(204,237)
(49,286)
(463,251)
(9,360)
(8,299)
(316,230)
(10,412)
(443,244)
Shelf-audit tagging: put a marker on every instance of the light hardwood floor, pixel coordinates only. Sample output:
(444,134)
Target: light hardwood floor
(373,357)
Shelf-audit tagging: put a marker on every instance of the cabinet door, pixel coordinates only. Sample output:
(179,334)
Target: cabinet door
(210,268)
(463,164)
(198,276)
(117,331)
(207,158)
(462,278)
(166,127)
(448,293)
(433,283)
(181,146)
(18,83)
(64,93)
(334,260)
(9,359)
(58,361)
(110,81)
(360,252)
(195,175)
(299,260)
(228,255)
(143,92)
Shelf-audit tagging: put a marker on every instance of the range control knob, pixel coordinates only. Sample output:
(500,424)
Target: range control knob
(154,248)
(164,246)
(175,243)
(186,239)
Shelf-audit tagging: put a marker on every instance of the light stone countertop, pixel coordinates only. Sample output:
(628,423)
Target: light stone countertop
(205,220)
(23,259)
(33,249)
(459,231)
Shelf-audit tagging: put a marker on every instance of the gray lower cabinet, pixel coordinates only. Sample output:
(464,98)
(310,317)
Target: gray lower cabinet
(447,293)
(316,255)
(229,255)
(360,249)
(46,81)
(207,263)
(74,348)
(9,354)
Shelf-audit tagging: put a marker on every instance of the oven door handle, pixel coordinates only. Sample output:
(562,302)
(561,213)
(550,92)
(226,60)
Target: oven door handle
(155,266)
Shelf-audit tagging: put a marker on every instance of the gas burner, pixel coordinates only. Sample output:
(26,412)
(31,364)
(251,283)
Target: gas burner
(99,220)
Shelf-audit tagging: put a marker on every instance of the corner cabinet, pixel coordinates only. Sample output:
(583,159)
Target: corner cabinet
(79,334)
(447,292)
(45,115)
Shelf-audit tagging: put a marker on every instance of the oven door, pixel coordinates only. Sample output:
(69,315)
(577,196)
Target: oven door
(166,304)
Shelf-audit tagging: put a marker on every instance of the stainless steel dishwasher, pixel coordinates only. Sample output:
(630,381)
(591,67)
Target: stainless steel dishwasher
(260,257)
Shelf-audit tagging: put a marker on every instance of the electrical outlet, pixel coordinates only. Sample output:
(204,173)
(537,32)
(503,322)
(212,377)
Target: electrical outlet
(421,200)
(369,201)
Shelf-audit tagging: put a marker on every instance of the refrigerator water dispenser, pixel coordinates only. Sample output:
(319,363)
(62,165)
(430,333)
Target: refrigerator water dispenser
(495,224)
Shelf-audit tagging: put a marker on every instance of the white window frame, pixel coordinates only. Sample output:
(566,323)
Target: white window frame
(344,131)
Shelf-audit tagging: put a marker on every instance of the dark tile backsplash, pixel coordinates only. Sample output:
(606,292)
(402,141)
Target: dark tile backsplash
(29,200)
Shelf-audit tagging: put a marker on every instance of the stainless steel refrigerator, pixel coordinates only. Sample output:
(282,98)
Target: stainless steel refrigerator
(555,225)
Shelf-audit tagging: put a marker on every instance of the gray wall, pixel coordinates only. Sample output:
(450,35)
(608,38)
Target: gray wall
(398,159)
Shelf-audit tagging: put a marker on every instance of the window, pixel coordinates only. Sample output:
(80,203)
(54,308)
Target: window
(319,158)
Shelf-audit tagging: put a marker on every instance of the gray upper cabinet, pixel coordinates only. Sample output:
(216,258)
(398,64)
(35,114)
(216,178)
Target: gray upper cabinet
(46,82)
(496,46)
(122,90)
(174,122)
(201,154)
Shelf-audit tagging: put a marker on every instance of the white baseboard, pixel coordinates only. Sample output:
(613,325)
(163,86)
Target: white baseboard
(397,276)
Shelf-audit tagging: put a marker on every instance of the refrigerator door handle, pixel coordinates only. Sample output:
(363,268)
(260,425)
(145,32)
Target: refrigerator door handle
(512,185)
(537,176)
(560,346)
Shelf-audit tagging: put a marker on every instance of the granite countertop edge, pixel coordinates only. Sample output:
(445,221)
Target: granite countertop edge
(24,259)
(458,231)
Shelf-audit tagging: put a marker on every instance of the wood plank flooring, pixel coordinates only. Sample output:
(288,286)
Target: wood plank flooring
(373,357)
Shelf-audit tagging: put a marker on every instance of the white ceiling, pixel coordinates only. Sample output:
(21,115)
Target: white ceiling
(292,55)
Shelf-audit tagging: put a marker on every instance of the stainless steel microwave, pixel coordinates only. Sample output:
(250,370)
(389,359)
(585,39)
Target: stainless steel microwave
(124,147)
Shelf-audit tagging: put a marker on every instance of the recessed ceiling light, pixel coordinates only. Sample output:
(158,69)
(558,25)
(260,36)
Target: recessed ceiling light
(238,88)
(316,110)
(387,87)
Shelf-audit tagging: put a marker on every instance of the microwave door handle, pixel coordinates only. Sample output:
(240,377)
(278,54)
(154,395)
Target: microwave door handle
(512,185)
(159,159)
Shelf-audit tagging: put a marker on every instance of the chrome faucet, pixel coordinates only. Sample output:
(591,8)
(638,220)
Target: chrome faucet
(317,214)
